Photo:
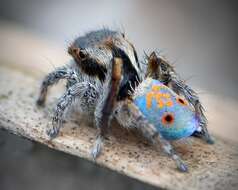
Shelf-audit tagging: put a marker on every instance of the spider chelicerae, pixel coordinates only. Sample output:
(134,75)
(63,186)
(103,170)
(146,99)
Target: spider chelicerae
(106,80)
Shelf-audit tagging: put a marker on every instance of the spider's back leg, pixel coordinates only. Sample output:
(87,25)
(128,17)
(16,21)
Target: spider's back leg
(158,68)
(129,116)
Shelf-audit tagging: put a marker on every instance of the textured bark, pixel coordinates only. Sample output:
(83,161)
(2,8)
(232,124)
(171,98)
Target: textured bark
(210,166)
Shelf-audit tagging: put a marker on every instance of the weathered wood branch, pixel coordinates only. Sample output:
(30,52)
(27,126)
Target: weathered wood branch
(210,166)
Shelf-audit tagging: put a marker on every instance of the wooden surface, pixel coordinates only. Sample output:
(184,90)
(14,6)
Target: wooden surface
(210,166)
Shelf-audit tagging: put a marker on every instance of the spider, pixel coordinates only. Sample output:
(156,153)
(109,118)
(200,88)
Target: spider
(106,80)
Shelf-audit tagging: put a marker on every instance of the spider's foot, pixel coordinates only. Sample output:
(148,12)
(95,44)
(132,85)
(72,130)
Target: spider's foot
(203,133)
(97,148)
(40,102)
(52,133)
(209,139)
(204,136)
(180,165)
(95,153)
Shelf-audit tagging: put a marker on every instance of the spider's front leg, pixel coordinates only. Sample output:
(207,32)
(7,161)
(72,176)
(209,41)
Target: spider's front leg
(129,116)
(83,91)
(158,68)
(52,78)
(105,107)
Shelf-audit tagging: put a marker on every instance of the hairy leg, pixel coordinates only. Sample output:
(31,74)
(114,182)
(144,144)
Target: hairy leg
(85,92)
(158,68)
(192,97)
(52,78)
(105,107)
(129,116)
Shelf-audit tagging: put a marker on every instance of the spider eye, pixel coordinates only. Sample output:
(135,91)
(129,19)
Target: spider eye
(167,119)
(82,54)
(181,101)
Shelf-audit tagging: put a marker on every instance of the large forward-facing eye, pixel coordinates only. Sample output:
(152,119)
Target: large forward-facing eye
(82,54)
(77,53)
(167,119)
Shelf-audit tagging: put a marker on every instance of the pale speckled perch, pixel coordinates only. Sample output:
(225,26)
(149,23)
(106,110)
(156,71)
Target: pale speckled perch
(210,166)
(213,166)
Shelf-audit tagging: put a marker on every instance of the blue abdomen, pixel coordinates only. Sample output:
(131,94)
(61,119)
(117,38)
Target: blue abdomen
(168,112)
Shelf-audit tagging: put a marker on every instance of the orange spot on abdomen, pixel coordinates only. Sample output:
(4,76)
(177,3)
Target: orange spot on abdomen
(162,99)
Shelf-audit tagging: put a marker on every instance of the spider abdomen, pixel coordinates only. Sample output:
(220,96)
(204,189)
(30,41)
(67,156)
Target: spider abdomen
(169,113)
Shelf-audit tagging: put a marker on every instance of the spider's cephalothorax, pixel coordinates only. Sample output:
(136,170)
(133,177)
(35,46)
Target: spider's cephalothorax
(105,81)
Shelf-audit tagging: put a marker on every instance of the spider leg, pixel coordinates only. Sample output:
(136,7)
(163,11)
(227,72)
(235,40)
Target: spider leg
(82,91)
(129,116)
(153,66)
(158,68)
(52,78)
(105,107)
(193,99)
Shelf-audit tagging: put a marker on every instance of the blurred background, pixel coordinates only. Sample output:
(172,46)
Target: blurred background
(199,37)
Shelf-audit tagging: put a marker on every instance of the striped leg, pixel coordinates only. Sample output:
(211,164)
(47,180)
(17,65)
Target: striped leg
(129,116)
(52,78)
(104,110)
